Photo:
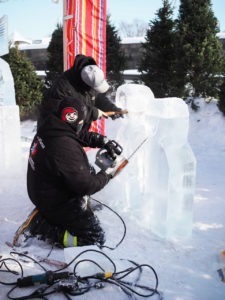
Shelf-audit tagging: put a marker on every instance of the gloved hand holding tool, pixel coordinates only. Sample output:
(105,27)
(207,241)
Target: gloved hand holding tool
(109,158)
(116,114)
(112,114)
(113,148)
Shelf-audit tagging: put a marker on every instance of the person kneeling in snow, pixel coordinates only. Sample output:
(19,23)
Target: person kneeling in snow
(59,180)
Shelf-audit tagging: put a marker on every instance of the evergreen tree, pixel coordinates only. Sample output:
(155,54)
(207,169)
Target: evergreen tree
(158,62)
(28,86)
(115,59)
(200,55)
(55,56)
(221,102)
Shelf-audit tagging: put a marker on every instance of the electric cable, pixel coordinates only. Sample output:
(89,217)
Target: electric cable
(77,285)
(3,264)
(72,284)
(124,225)
(28,257)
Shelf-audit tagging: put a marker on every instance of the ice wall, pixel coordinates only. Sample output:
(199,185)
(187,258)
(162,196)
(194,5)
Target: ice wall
(10,143)
(158,185)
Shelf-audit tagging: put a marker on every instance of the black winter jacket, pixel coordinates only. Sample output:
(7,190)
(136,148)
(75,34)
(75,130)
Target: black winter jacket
(58,174)
(71,84)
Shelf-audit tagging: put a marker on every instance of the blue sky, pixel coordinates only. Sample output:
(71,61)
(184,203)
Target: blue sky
(38,18)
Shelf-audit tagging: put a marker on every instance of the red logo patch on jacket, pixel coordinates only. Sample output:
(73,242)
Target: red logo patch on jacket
(69,115)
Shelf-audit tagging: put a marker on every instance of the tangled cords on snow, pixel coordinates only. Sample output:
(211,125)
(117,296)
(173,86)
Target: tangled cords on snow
(71,284)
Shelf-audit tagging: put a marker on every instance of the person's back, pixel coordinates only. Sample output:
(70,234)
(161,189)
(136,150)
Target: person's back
(85,81)
(59,179)
(68,84)
(58,168)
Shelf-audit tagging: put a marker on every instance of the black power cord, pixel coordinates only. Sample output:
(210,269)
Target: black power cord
(72,284)
(5,268)
(124,225)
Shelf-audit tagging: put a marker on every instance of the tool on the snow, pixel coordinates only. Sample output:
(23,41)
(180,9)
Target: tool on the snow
(221,271)
(39,259)
(74,284)
(104,160)
(221,274)
(48,277)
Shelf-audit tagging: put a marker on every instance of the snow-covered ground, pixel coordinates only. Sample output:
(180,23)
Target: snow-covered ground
(187,270)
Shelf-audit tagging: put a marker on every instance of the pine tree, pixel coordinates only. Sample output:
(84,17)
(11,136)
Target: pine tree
(55,56)
(115,59)
(200,55)
(28,86)
(221,102)
(158,62)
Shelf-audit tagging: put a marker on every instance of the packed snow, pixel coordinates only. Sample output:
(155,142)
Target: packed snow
(186,268)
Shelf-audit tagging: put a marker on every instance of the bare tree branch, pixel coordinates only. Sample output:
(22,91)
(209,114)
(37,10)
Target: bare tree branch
(137,28)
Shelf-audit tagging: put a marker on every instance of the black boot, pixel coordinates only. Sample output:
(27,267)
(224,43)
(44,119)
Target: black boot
(36,226)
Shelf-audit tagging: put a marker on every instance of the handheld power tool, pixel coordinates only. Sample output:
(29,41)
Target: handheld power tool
(48,277)
(115,160)
(105,160)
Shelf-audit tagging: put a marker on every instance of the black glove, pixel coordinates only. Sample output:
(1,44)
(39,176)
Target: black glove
(113,148)
(117,115)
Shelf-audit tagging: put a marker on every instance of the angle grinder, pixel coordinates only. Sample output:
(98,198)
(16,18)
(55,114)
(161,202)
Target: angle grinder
(105,160)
